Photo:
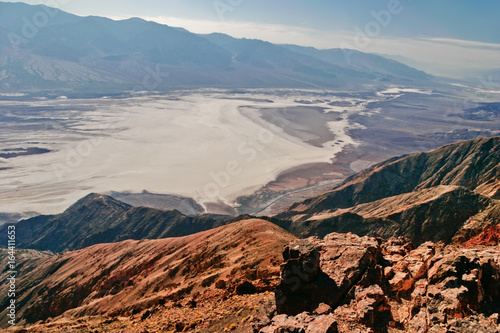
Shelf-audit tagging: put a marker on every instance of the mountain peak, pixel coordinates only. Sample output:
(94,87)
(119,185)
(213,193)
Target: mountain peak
(98,218)
(96,199)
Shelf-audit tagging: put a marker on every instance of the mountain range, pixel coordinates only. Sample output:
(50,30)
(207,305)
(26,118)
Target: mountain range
(43,48)
(101,219)
(420,196)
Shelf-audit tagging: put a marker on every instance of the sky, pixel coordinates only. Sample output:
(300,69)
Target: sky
(444,37)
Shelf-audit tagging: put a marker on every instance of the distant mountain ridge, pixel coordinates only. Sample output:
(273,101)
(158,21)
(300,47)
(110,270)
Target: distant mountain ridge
(363,62)
(97,219)
(65,51)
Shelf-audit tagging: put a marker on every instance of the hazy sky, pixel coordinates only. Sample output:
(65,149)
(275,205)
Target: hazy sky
(442,35)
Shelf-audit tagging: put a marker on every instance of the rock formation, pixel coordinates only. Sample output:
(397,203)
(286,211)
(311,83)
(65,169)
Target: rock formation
(386,286)
(303,284)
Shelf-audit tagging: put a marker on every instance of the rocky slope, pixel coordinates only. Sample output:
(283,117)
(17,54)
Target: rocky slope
(101,219)
(424,196)
(341,283)
(435,214)
(347,283)
(125,278)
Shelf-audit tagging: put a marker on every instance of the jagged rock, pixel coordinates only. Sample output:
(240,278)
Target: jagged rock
(346,258)
(474,323)
(283,323)
(419,260)
(302,257)
(303,284)
(367,311)
(323,309)
(432,288)
(463,282)
(371,305)
(401,282)
(323,324)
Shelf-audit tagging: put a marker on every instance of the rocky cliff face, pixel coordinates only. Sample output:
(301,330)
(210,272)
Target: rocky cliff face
(386,286)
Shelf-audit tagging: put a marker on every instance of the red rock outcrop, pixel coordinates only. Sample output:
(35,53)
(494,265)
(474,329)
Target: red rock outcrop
(388,286)
(303,284)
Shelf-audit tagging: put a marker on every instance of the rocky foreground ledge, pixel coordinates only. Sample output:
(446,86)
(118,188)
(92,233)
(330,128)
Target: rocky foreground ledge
(346,283)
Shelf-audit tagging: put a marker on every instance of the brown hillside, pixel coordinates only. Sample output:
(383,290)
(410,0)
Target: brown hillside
(123,278)
(445,194)
(431,214)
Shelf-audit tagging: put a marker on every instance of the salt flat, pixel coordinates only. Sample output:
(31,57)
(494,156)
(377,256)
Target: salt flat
(197,144)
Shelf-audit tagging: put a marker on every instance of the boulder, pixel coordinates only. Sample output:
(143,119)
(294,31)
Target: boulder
(303,284)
